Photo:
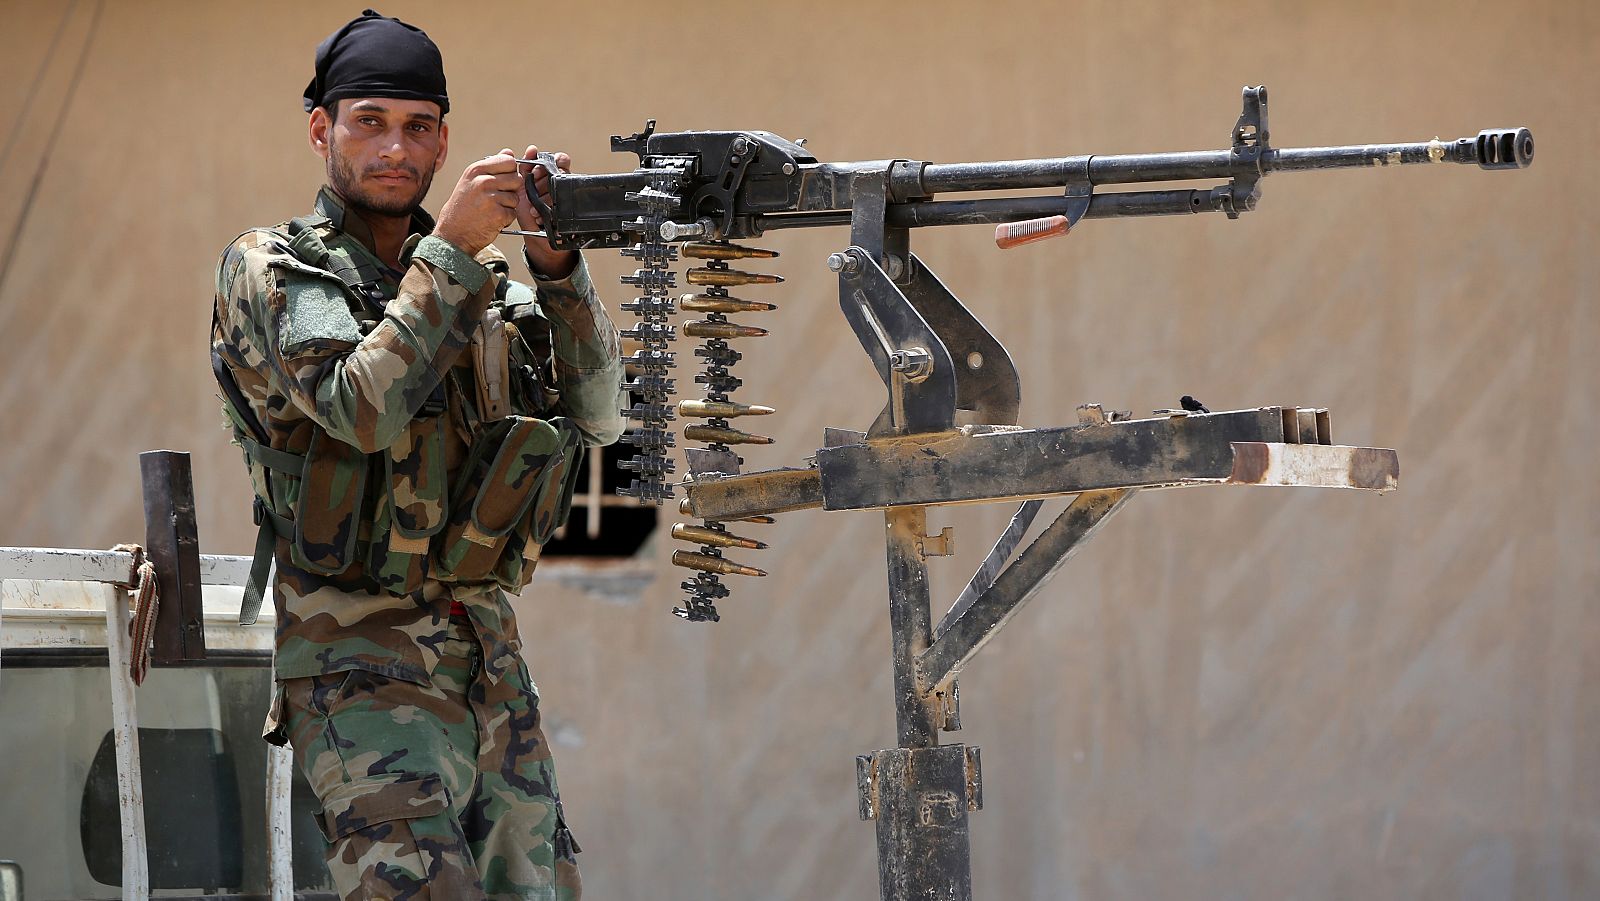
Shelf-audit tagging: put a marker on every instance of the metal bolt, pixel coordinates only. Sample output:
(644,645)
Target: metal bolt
(894,266)
(843,262)
(672,231)
(740,145)
(915,364)
(788,168)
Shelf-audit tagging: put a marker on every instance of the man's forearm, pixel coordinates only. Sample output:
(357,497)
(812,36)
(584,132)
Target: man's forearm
(588,355)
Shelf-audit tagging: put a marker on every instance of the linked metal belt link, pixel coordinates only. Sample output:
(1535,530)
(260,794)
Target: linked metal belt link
(654,411)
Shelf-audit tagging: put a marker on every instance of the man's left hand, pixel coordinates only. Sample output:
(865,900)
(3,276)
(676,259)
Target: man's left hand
(546,260)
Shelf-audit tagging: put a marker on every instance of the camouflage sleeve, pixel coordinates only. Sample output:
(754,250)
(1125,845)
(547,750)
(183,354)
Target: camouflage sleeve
(587,354)
(293,325)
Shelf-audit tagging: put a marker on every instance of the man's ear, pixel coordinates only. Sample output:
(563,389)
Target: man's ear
(444,146)
(319,132)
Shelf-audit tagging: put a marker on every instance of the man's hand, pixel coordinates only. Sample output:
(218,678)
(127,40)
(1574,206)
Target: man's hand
(485,200)
(546,260)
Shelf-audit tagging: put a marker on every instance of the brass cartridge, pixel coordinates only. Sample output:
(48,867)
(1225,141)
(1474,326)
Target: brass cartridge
(706,303)
(714,538)
(726,252)
(720,409)
(729,278)
(705,328)
(711,434)
(709,564)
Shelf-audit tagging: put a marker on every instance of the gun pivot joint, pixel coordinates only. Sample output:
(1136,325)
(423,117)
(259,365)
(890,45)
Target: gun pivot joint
(915,364)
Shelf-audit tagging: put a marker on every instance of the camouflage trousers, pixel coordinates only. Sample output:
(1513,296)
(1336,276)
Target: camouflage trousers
(444,791)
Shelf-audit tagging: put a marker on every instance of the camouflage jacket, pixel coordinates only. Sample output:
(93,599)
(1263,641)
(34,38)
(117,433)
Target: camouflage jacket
(315,368)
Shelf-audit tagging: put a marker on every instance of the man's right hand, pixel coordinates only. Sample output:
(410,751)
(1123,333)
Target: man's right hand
(484,201)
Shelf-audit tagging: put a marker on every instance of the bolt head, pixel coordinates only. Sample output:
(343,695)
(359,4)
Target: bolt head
(838,261)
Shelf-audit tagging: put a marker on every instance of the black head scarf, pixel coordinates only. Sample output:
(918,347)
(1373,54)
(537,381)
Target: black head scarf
(376,56)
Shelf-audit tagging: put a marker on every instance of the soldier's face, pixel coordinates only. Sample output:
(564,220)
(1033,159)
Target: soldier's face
(382,152)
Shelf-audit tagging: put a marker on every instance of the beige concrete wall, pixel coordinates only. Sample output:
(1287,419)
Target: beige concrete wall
(1251,694)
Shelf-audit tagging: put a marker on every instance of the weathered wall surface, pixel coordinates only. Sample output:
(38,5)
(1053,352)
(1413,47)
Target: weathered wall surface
(1241,694)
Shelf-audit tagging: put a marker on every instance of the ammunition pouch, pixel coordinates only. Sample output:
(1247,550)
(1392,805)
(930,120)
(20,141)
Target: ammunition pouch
(510,496)
(515,489)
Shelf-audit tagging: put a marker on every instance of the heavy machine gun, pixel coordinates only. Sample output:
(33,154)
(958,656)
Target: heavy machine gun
(695,191)
(948,432)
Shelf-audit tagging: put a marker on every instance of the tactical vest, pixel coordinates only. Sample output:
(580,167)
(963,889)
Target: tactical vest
(396,513)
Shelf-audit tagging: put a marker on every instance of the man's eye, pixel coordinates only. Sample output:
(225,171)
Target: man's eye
(369,121)
(421,128)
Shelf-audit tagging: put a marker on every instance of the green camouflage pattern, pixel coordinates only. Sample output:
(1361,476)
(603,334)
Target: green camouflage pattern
(328,516)
(414,511)
(441,791)
(419,732)
(285,330)
(514,467)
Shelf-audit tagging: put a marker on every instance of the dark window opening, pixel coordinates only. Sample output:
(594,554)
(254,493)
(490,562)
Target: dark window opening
(602,522)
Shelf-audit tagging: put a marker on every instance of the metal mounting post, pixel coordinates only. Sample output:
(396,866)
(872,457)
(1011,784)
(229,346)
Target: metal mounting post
(173,545)
(919,793)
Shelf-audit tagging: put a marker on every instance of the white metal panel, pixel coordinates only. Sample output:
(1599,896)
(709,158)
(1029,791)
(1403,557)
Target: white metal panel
(48,614)
(73,565)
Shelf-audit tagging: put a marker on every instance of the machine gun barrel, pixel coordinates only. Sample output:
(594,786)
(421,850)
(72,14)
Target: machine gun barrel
(1510,148)
(1503,148)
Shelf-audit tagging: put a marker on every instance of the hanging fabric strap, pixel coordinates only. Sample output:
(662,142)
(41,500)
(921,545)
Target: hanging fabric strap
(270,526)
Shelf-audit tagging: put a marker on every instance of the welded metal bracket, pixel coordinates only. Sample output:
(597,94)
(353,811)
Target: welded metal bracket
(920,798)
(986,378)
(906,352)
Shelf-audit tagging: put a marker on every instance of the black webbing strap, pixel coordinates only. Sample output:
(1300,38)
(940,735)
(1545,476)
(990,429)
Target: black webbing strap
(270,526)
(274,459)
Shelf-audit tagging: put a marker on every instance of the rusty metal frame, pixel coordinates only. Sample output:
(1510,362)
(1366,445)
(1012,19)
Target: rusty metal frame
(986,465)
(915,456)
(935,360)
(920,793)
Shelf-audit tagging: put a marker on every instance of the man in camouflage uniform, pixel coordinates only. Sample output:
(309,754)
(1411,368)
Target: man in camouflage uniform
(410,418)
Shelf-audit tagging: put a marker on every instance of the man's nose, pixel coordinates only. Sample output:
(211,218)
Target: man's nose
(393,146)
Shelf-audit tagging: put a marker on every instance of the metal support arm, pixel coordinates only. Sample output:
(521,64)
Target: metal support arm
(1016,585)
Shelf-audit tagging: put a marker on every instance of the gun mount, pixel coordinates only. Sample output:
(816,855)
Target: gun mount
(694,192)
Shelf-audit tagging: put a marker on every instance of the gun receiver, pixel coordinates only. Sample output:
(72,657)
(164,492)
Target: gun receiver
(741,184)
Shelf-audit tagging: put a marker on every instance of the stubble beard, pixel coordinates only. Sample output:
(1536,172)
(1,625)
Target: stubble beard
(346,181)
